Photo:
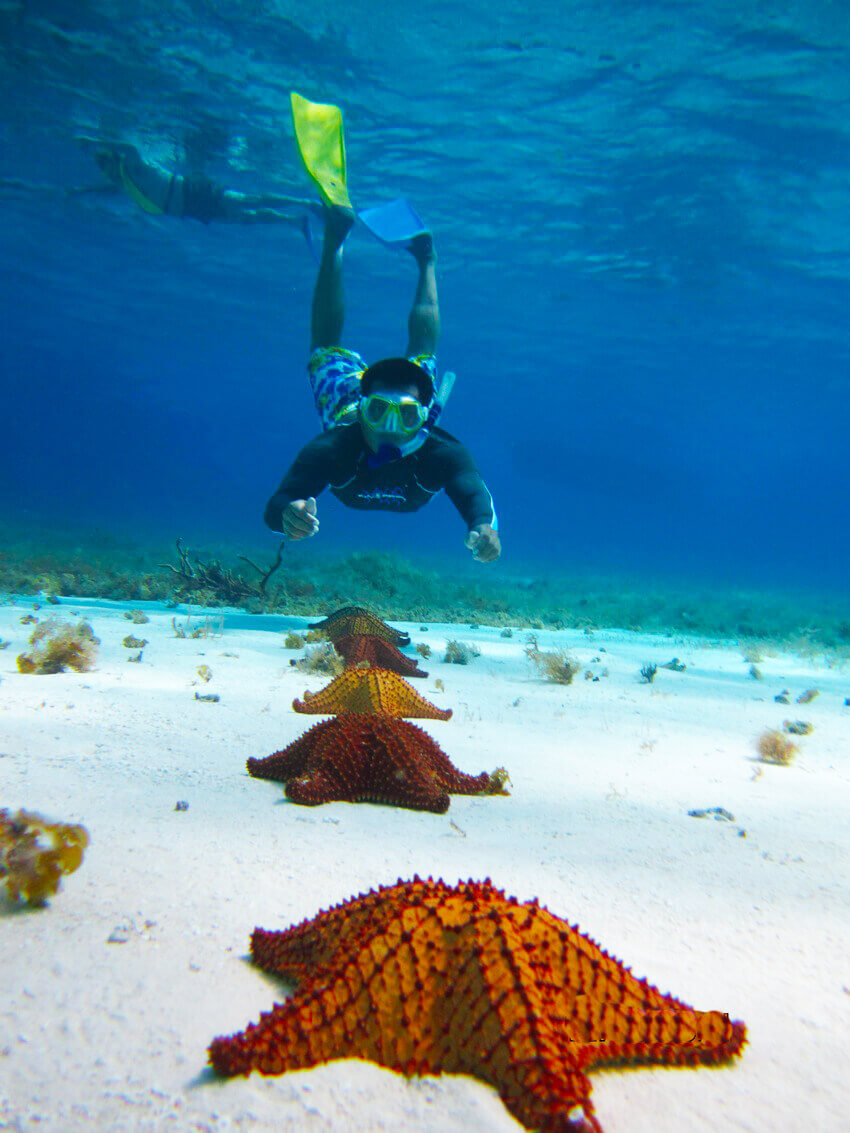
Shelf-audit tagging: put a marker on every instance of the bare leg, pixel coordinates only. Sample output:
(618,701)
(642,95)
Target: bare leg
(262,208)
(328,299)
(423,323)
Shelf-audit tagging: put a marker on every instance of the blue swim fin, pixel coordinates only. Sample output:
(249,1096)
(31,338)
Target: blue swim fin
(394,224)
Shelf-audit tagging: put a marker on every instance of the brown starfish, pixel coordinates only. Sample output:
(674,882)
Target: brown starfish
(356,620)
(370,690)
(427,978)
(377,758)
(376,652)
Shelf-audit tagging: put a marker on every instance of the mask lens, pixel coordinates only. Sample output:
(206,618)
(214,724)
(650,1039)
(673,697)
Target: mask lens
(410,413)
(375,409)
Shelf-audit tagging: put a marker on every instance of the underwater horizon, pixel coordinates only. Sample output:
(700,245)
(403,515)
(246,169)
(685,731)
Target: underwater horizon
(640,215)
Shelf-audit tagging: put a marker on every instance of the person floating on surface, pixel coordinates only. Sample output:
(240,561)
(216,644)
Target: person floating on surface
(161,192)
(380,448)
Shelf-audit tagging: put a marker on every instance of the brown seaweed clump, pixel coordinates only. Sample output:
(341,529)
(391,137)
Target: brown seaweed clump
(131,642)
(557,666)
(35,853)
(773,747)
(137,617)
(460,653)
(57,646)
(322,659)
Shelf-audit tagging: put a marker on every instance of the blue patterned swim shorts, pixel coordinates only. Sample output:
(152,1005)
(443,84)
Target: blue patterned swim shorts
(335,375)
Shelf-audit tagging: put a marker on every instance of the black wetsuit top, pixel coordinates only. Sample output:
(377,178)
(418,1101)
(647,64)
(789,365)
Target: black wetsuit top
(339,458)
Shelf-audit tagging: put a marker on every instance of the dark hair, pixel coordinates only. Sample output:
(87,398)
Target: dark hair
(394,373)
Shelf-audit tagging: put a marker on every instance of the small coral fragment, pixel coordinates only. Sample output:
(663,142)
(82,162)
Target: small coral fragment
(34,853)
(808,696)
(131,642)
(773,747)
(798,727)
(57,646)
(205,673)
(293,641)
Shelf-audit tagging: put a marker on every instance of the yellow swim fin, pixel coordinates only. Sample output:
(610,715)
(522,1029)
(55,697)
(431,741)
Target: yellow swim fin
(320,141)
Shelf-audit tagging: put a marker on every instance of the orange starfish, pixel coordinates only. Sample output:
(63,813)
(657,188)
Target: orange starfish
(426,978)
(370,690)
(356,620)
(352,758)
(376,652)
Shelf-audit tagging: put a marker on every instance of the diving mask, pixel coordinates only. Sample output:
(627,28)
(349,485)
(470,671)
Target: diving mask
(394,414)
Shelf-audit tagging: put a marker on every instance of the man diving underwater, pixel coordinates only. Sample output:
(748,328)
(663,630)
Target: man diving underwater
(380,448)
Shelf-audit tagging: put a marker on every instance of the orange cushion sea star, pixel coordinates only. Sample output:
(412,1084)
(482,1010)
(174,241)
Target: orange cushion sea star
(370,690)
(424,978)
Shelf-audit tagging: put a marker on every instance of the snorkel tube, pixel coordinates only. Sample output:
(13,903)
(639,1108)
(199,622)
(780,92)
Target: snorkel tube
(388,451)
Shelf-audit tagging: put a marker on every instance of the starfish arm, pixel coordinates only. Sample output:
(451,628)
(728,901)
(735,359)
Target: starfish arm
(399,778)
(459,782)
(281,765)
(327,938)
(293,760)
(389,656)
(670,1038)
(325,785)
(554,1103)
(303,1032)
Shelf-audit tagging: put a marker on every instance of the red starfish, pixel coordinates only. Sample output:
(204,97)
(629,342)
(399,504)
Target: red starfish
(376,652)
(380,758)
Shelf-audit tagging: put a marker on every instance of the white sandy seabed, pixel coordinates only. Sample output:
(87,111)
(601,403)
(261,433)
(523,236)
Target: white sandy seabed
(110,995)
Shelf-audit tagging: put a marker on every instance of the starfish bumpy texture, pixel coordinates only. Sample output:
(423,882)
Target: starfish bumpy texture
(370,690)
(424,978)
(355,620)
(376,652)
(353,758)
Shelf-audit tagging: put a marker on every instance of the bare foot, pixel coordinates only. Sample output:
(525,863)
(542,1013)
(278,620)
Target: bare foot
(338,223)
(422,249)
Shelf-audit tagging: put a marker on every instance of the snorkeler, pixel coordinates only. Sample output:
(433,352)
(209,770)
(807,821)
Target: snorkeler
(161,192)
(380,448)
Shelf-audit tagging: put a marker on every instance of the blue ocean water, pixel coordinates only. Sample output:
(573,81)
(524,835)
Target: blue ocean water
(641,214)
